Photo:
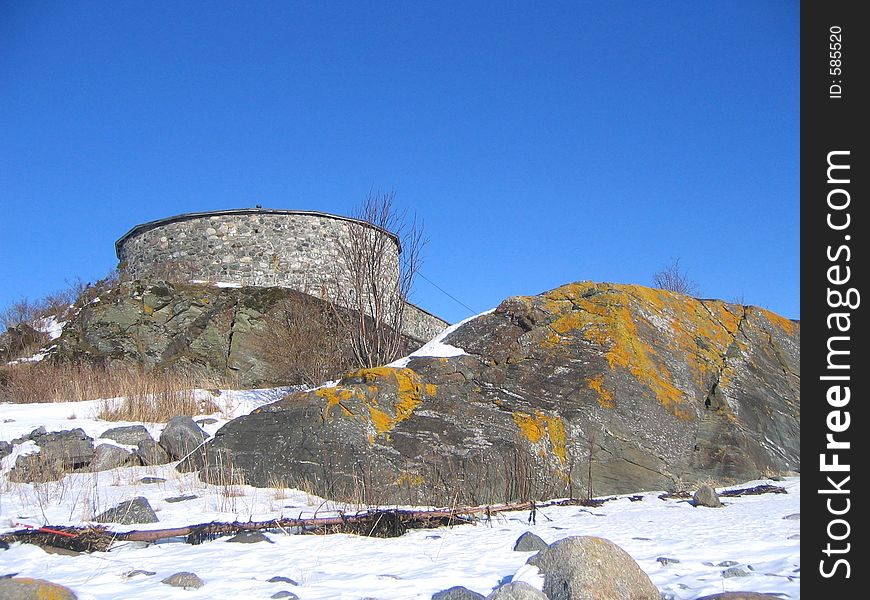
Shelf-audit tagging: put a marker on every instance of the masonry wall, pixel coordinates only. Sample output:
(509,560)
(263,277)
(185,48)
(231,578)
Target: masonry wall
(260,248)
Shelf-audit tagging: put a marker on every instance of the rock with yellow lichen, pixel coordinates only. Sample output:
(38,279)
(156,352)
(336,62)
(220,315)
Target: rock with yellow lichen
(653,387)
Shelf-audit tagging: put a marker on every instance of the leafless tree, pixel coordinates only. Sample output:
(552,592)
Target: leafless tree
(675,279)
(375,284)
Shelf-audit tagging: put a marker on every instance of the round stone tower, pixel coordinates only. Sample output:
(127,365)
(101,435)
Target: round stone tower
(250,246)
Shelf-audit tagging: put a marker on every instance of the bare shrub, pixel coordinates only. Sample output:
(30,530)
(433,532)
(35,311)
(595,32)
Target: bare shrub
(155,398)
(372,286)
(675,279)
(304,342)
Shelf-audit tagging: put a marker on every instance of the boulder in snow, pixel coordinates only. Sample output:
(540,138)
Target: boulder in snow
(583,567)
(181,436)
(706,496)
(519,590)
(131,434)
(137,510)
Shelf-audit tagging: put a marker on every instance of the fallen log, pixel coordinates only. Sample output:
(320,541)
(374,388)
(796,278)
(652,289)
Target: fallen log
(375,523)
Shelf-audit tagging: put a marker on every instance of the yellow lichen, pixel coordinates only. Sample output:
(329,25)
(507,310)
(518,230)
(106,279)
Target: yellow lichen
(335,396)
(558,438)
(603,395)
(534,427)
(787,325)
(529,426)
(410,479)
(410,391)
(382,421)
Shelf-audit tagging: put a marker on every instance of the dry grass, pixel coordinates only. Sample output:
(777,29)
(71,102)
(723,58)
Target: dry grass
(138,395)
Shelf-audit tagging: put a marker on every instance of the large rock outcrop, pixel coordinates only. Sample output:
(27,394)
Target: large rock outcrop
(220,332)
(652,386)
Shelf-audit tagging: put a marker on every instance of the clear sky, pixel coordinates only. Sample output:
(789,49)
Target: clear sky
(540,143)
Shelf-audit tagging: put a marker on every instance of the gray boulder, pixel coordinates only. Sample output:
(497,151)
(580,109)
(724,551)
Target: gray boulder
(706,496)
(184,579)
(689,388)
(181,436)
(250,537)
(5,449)
(137,510)
(107,456)
(519,590)
(26,588)
(592,568)
(457,592)
(60,452)
(151,453)
(529,542)
(131,434)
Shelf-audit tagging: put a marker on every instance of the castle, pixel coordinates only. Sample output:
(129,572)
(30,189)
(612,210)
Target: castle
(260,247)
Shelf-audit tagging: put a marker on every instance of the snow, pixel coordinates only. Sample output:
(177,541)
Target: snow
(750,530)
(436,348)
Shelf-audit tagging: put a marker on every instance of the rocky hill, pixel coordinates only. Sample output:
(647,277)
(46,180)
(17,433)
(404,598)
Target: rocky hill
(642,388)
(250,336)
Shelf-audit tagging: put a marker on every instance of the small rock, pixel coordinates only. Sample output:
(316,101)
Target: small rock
(727,563)
(206,421)
(181,498)
(184,579)
(137,510)
(793,517)
(249,537)
(136,572)
(665,561)
(519,590)
(794,536)
(706,496)
(285,594)
(281,579)
(27,588)
(32,436)
(457,592)
(734,572)
(147,480)
(529,542)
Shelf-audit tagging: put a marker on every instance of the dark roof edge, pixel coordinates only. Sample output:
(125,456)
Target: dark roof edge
(244,211)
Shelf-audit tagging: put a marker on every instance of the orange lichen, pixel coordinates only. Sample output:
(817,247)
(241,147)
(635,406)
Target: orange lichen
(534,427)
(410,391)
(529,426)
(382,421)
(787,325)
(603,395)
(410,479)
(558,438)
(335,396)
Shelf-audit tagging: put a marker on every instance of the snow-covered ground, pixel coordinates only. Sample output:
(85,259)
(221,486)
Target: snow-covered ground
(751,531)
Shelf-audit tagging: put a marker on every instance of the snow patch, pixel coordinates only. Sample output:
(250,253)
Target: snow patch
(436,348)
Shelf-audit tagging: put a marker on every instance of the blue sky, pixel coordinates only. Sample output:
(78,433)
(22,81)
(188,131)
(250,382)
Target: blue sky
(539,144)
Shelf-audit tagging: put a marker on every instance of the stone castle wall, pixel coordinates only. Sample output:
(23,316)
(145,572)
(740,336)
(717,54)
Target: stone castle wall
(258,247)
